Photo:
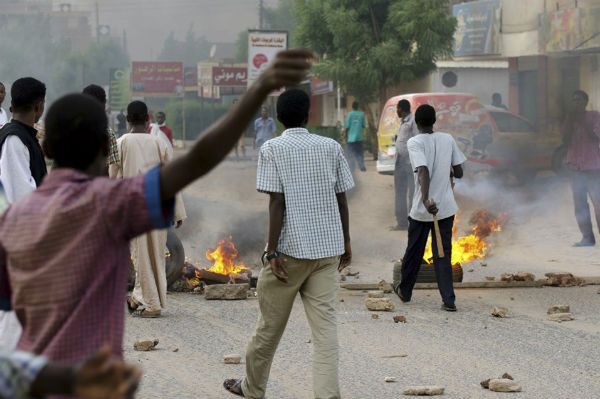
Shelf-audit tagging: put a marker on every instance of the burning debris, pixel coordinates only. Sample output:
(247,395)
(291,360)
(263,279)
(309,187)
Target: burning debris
(225,269)
(474,245)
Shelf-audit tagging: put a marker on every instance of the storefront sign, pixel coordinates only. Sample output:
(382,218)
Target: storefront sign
(560,30)
(119,93)
(319,87)
(230,76)
(263,46)
(156,78)
(478,28)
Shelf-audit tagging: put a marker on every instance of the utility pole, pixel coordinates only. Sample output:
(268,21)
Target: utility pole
(97,23)
(261,14)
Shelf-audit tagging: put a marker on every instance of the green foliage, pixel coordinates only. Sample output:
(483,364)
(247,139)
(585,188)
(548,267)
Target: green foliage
(191,50)
(198,116)
(368,46)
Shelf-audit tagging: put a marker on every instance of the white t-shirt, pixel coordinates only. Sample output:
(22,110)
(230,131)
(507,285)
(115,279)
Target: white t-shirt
(439,152)
(3,117)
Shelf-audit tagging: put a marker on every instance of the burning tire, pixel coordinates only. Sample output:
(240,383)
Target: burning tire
(427,273)
(176,259)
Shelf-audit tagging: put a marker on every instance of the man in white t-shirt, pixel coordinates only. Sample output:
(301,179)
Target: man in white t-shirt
(434,157)
(3,114)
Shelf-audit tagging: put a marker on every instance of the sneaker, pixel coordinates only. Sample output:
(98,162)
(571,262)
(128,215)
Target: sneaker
(449,308)
(584,243)
(402,298)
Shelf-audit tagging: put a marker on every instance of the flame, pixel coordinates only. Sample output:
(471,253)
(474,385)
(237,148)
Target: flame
(473,246)
(223,258)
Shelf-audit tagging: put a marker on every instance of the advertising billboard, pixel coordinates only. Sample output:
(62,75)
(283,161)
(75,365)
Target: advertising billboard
(262,48)
(156,77)
(478,28)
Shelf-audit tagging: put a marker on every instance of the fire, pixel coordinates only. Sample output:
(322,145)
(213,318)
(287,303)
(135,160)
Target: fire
(472,246)
(224,259)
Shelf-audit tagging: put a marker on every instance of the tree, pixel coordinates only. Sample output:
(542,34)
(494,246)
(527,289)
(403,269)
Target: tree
(191,50)
(370,46)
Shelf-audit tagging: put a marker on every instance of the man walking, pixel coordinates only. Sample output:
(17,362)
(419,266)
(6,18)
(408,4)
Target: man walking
(264,128)
(3,114)
(355,127)
(121,123)
(138,152)
(161,130)
(22,167)
(306,177)
(404,183)
(581,134)
(434,156)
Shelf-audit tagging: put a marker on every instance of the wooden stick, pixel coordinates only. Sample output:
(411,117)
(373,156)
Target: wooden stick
(438,237)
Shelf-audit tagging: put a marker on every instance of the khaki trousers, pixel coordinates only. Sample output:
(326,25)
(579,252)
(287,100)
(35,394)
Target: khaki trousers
(315,280)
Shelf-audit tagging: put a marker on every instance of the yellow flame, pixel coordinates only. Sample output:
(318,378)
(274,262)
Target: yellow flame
(223,258)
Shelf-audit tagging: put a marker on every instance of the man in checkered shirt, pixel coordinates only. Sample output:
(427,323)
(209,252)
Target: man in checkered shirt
(306,177)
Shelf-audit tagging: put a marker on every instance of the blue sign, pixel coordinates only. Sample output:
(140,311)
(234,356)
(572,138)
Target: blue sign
(478,28)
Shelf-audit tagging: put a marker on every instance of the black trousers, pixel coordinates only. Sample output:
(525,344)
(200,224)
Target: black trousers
(418,233)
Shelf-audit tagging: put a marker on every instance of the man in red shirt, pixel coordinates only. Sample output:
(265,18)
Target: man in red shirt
(581,133)
(162,124)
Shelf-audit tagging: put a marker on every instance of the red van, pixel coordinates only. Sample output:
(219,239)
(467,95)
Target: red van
(491,138)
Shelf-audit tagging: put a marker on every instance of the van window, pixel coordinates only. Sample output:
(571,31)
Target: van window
(511,124)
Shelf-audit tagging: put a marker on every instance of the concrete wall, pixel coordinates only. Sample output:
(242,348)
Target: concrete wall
(482,82)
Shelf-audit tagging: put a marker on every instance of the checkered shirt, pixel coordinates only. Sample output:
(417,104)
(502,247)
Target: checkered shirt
(18,370)
(309,170)
(64,250)
(113,154)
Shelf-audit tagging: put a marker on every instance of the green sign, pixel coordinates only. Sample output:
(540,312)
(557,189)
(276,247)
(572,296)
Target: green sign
(119,90)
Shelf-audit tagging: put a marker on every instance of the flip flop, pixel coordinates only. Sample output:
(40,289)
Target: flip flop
(234,387)
(132,304)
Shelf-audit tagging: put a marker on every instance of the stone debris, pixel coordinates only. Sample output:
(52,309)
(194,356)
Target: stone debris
(500,312)
(176,350)
(559,309)
(390,379)
(423,391)
(524,276)
(399,319)
(342,300)
(507,277)
(484,265)
(490,278)
(560,317)
(385,287)
(504,385)
(145,345)
(226,291)
(379,304)
(375,316)
(232,359)
(471,270)
(486,383)
(507,376)
(562,280)
(394,356)
(375,294)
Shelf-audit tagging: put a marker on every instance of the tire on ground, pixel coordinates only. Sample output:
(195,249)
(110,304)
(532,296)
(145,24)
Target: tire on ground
(174,263)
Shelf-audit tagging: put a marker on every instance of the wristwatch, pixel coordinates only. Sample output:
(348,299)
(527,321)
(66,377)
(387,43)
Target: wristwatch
(272,255)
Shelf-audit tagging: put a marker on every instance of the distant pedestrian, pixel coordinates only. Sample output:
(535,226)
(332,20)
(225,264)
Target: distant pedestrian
(138,153)
(161,130)
(433,156)
(306,177)
(121,123)
(581,134)
(355,126)
(404,176)
(497,101)
(99,94)
(241,144)
(264,128)
(3,114)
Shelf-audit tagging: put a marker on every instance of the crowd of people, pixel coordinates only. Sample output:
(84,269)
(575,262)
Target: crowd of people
(107,201)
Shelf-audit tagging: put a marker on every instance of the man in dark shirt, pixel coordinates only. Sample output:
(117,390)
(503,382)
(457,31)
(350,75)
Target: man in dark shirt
(581,134)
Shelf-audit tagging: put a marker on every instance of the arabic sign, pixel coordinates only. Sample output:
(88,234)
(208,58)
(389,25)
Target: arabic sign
(478,28)
(230,76)
(560,30)
(190,78)
(118,91)
(319,87)
(156,77)
(262,48)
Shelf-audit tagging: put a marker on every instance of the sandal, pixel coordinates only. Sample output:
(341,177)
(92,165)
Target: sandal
(234,387)
(132,304)
(146,314)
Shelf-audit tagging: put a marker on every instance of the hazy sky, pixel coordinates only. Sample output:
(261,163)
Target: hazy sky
(148,22)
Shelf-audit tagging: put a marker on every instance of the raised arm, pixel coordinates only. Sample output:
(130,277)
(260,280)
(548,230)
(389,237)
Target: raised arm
(289,69)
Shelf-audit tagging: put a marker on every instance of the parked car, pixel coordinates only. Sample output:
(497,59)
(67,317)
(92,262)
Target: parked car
(493,139)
